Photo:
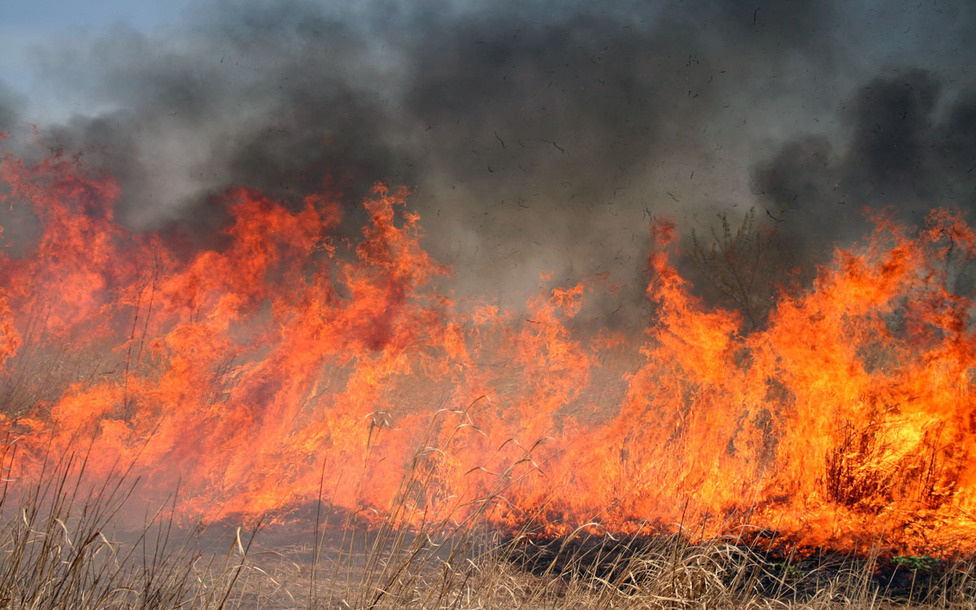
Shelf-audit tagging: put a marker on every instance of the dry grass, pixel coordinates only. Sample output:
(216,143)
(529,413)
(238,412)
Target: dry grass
(62,546)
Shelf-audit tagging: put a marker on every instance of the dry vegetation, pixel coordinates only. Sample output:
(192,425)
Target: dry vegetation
(69,542)
(64,545)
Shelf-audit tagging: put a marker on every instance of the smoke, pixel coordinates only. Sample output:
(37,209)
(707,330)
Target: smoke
(11,107)
(910,146)
(537,136)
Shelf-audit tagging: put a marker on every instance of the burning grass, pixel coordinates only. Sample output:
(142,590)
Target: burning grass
(452,454)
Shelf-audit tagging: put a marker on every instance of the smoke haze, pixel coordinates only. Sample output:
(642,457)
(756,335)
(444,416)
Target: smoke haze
(537,136)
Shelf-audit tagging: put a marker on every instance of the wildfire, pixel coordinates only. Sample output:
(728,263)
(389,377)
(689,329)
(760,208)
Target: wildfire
(279,364)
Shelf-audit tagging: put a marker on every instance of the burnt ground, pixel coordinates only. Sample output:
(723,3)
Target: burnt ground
(762,566)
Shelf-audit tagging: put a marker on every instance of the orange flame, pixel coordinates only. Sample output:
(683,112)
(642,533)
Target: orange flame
(244,370)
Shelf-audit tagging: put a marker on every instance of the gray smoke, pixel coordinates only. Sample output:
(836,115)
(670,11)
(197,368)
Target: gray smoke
(11,108)
(537,136)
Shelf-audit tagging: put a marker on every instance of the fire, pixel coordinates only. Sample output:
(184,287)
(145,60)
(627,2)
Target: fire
(280,364)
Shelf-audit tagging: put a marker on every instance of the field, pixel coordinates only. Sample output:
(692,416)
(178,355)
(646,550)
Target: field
(517,304)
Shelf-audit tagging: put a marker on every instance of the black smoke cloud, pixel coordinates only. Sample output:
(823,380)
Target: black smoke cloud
(909,145)
(538,136)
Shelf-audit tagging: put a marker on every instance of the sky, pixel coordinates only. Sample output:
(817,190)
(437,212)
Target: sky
(537,136)
(26,25)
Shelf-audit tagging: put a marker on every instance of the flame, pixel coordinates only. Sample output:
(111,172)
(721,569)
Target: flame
(280,359)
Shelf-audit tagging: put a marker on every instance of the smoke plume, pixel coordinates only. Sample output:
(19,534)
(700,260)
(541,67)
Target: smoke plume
(537,136)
